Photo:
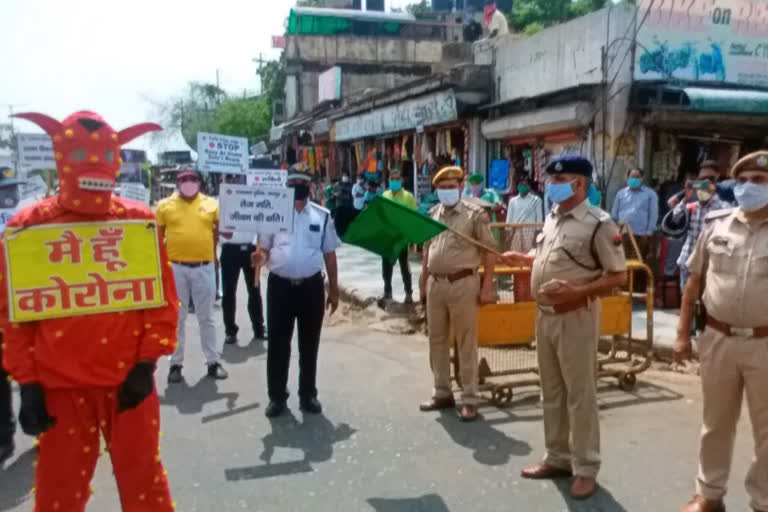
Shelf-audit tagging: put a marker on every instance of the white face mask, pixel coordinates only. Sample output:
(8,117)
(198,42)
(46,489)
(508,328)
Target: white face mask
(345,179)
(751,197)
(448,196)
(703,195)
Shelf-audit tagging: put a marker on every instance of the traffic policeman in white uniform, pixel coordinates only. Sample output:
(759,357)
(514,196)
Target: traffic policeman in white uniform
(296,293)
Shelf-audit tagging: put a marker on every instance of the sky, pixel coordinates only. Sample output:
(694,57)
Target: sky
(117,58)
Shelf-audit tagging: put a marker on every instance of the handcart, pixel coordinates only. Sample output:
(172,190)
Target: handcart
(506,329)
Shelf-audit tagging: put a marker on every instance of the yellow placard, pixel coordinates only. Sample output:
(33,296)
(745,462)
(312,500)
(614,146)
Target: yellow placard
(61,270)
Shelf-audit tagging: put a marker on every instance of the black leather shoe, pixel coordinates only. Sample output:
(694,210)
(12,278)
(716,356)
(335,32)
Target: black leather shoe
(230,339)
(216,371)
(260,334)
(311,405)
(274,409)
(6,450)
(174,374)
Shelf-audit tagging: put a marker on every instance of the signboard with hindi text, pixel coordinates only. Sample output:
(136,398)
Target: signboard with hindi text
(62,270)
(135,191)
(263,210)
(35,151)
(267,177)
(222,153)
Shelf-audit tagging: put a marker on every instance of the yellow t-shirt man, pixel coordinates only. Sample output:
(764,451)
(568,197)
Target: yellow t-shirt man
(403,197)
(189,227)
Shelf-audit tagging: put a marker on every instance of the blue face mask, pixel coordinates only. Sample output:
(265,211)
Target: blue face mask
(559,192)
(750,196)
(395,185)
(635,182)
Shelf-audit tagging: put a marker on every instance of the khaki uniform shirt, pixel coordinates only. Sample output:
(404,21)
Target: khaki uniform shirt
(448,253)
(734,256)
(564,247)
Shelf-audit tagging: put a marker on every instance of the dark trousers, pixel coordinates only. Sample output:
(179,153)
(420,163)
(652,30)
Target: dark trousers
(234,258)
(386,271)
(301,303)
(7,424)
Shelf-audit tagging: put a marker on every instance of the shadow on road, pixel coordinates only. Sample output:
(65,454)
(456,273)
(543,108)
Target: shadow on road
(490,446)
(314,436)
(237,354)
(190,400)
(527,407)
(426,503)
(18,480)
(601,501)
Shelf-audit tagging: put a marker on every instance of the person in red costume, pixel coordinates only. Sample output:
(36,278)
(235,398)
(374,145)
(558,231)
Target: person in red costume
(84,377)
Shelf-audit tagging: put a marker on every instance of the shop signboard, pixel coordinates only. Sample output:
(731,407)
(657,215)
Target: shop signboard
(433,109)
(704,41)
(35,151)
(329,85)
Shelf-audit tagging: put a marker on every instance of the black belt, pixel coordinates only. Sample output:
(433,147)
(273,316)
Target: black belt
(297,282)
(192,264)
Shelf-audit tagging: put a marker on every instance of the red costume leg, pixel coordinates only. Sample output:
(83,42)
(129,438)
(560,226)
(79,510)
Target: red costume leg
(133,441)
(68,452)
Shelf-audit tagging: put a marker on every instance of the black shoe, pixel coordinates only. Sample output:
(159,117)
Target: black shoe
(387,296)
(6,450)
(274,409)
(216,371)
(310,405)
(408,299)
(230,339)
(174,374)
(260,334)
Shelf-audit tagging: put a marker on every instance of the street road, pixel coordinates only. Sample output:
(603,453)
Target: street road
(372,450)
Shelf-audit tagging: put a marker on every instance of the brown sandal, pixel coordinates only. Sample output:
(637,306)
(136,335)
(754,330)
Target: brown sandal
(468,413)
(437,404)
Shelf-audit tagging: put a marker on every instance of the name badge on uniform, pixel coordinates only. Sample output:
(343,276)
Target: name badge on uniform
(315,228)
(244,247)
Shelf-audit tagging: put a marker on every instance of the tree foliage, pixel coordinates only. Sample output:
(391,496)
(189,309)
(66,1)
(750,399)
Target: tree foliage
(419,9)
(530,16)
(246,117)
(190,113)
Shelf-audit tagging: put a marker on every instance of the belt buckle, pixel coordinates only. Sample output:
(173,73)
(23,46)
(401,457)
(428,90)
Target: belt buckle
(244,247)
(742,332)
(547,309)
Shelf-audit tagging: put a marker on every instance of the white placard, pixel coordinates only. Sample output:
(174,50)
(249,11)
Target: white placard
(35,151)
(136,191)
(33,188)
(267,177)
(222,153)
(264,210)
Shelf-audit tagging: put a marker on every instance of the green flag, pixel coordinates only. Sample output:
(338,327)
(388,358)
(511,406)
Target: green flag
(386,228)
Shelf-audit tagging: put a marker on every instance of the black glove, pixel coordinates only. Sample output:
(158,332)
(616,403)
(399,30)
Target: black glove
(137,386)
(33,415)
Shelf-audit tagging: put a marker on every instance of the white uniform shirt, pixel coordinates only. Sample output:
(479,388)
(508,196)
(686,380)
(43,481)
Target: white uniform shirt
(525,210)
(300,254)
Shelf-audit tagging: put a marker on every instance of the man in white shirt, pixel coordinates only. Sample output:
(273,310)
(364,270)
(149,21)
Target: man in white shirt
(296,293)
(236,249)
(358,193)
(495,20)
(525,207)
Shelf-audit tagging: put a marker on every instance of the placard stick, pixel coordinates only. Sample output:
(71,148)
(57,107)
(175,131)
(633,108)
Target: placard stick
(257,268)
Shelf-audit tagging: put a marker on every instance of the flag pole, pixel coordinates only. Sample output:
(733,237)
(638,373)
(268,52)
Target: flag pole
(480,245)
(257,268)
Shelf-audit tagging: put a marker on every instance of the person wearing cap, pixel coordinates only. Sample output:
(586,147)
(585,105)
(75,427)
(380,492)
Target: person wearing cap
(296,294)
(476,189)
(578,258)
(236,249)
(9,202)
(397,193)
(189,224)
(451,287)
(730,265)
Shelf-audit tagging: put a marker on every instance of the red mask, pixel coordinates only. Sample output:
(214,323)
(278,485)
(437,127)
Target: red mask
(87,152)
(488,11)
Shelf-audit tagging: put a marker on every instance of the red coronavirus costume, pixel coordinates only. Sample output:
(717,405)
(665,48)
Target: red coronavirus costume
(84,377)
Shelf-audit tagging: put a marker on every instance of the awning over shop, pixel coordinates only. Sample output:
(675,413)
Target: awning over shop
(739,101)
(539,122)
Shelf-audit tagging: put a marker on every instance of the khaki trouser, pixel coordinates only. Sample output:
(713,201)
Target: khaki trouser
(567,351)
(453,305)
(731,366)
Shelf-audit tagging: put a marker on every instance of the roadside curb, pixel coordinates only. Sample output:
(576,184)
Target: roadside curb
(355,297)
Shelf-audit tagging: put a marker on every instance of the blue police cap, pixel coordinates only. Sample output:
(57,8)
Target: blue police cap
(570,165)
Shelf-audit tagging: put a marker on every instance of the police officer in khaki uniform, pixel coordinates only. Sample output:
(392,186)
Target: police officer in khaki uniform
(730,262)
(451,287)
(578,257)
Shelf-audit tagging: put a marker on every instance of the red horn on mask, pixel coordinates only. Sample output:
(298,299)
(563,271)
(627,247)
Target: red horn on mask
(47,123)
(130,133)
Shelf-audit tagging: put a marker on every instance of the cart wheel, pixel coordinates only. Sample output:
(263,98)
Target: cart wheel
(506,394)
(627,381)
(495,399)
